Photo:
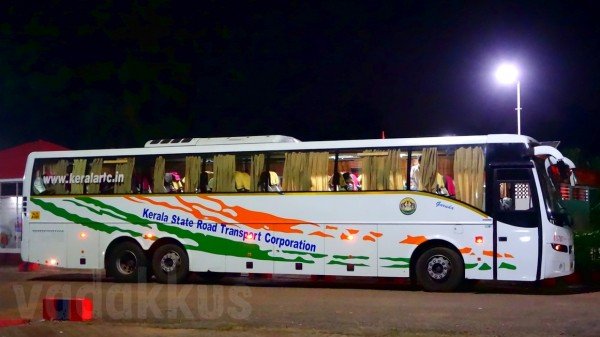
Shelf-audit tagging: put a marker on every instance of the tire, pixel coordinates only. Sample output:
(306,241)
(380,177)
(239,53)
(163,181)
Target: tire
(127,262)
(170,264)
(440,269)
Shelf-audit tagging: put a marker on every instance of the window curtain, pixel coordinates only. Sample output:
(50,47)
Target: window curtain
(428,170)
(306,171)
(95,170)
(192,174)
(469,174)
(381,170)
(257,166)
(369,171)
(293,172)
(125,168)
(158,180)
(224,168)
(397,170)
(78,170)
(382,175)
(317,171)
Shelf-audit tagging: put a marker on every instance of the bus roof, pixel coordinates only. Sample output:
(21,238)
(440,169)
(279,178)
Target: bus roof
(283,143)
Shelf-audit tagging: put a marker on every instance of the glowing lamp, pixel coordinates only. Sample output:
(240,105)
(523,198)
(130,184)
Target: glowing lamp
(509,74)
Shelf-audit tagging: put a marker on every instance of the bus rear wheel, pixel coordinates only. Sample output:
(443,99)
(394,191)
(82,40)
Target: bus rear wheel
(440,269)
(127,263)
(170,264)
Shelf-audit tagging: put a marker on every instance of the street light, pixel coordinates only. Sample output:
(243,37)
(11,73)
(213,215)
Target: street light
(508,74)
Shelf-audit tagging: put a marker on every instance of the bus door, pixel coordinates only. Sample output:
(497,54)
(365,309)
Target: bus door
(517,225)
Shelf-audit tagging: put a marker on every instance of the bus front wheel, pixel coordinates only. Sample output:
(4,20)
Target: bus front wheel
(440,269)
(170,264)
(127,263)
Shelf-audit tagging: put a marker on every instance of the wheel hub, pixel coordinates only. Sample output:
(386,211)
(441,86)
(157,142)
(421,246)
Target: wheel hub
(127,263)
(170,262)
(438,267)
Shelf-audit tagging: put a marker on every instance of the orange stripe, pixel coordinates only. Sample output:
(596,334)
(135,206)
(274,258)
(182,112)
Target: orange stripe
(368,238)
(465,250)
(255,219)
(132,199)
(414,240)
(376,234)
(490,253)
(352,231)
(331,227)
(509,256)
(321,234)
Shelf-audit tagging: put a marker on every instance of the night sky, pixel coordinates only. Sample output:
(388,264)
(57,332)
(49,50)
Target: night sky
(116,73)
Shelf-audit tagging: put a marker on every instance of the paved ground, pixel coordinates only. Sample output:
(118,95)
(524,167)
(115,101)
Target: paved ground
(295,306)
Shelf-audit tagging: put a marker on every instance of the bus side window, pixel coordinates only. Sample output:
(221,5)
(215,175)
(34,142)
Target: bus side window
(505,200)
(515,196)
(142,175)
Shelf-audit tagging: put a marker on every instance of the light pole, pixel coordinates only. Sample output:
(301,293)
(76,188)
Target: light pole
(508,74)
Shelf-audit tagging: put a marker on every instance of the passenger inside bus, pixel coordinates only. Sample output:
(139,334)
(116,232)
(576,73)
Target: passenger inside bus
(269,182)
(210,186)
(449,183)
(440,185)
(415,174)
(506,202)
(334,181)
(173,182)
(350,182)
(242,181)
(141,182)
(204,178)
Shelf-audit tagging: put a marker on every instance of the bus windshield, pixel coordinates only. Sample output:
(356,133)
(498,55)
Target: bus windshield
(555,207)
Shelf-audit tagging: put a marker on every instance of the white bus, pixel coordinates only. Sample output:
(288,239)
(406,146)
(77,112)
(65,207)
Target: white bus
(438,210)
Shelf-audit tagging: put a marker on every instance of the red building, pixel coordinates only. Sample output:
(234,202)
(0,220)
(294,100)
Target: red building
(12,168)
